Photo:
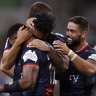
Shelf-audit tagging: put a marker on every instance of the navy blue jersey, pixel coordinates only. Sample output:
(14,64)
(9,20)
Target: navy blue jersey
(78,84)
(18,67)
(45,80)
(56,36)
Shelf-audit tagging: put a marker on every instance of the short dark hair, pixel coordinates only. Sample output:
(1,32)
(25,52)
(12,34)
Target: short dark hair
(81,21)
(38,8)
(13,30)
(44,23)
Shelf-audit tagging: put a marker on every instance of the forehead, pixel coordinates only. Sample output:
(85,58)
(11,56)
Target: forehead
(73,26)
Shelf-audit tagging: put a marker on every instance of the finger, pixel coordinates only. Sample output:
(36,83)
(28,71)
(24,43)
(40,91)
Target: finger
(29,25)
(32,19)
(57,46)
(32,24)
(21,28)
(60,54)
(56,42)
(58,49)
(30,46)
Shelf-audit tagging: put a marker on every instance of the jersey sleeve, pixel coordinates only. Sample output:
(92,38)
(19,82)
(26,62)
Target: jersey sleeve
(30,57)
(92,56)
(7,46)
(60,37)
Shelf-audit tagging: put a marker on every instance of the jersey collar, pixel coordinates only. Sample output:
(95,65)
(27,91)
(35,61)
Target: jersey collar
(83,48)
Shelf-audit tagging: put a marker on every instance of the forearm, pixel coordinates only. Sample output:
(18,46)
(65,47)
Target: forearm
(25,84)
(84,66)
(10,72)
(30,75)
(20,85)
(9,58)
(60,62)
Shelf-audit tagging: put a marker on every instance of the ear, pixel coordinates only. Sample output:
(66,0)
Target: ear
(83,35)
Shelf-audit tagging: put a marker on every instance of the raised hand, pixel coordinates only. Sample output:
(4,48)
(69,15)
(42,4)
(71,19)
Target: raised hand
(29,22)
(23,34)
(61,47)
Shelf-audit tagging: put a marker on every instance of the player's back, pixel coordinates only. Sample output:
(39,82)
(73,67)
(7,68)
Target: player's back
(45,81)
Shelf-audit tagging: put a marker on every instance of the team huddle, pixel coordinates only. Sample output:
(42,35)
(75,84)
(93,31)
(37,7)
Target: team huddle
(35,57)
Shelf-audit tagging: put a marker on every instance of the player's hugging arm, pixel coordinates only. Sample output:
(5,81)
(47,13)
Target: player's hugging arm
(60,62)
(17,36)
(88,66)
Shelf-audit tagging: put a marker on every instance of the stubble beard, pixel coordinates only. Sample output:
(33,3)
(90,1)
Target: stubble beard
(74,43)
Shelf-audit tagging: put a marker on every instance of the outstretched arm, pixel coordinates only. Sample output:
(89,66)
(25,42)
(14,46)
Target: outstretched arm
(60,62)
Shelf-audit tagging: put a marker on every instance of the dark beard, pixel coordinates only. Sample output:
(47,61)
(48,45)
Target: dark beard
(75,43)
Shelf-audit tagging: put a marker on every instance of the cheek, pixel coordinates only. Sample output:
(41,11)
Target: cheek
(75,36)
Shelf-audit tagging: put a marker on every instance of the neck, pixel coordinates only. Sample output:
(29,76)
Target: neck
(80,46)
(27,42)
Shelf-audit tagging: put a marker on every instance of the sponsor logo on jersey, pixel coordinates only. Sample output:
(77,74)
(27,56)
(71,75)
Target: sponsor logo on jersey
(74,78)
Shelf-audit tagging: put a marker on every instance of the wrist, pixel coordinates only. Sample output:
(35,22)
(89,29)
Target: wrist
(69,52)
(71,55)
(48,48)
(19,42)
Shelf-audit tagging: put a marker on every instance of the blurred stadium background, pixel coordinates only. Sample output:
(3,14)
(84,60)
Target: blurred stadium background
(14,11)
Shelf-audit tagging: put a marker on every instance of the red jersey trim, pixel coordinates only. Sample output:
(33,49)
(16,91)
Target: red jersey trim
(31,64)
(83,48)
(7,49)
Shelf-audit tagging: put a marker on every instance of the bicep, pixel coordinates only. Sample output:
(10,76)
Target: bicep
(92,62)
(30,71)
(30,75)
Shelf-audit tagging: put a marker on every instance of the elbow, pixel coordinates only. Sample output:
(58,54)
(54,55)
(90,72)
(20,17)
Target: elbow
(65,64)
(4,66)
(91,72)
(65,67)
(29,84)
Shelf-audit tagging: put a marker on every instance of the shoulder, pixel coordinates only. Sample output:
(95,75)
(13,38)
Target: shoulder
(58,34)
(7,46)
(92,53)
(92,56)
(30,54)
(60,37)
